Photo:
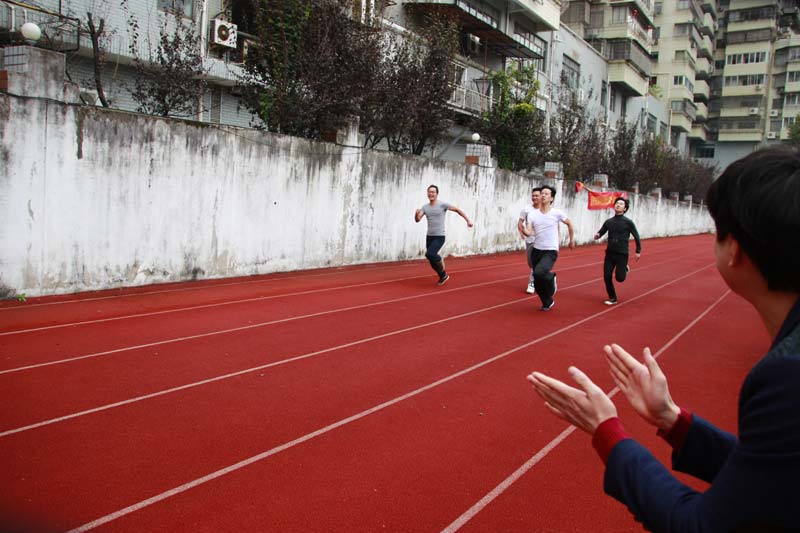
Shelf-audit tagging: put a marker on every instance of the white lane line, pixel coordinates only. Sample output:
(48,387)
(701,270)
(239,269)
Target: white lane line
(246,462)
(28,306)
(252,326)
(231,302)
(208,284)
(541,454)
(283,320)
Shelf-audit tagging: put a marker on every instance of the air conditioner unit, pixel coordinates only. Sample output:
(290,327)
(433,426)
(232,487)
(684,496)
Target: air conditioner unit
(754,111)
(224,33)
(772,135)
(774,113)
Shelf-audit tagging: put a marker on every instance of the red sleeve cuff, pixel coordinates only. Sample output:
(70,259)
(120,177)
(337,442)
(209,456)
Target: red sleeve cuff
(676,435)
(606,436)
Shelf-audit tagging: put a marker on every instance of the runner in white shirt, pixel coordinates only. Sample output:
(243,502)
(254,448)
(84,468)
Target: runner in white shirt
(543,225)
(536,197)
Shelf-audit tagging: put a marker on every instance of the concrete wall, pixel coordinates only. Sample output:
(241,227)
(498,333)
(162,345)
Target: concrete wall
(95,199)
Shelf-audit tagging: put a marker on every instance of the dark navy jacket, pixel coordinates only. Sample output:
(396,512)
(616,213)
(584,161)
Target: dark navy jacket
(755,479)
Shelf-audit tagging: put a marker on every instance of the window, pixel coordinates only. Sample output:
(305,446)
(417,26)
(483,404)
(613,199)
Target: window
(774,125)
(793,76)
(613,103)
(683,4)
(570,73)
(658,7)
(619,15)
(792,99)
(177,6)
(681,29)
(788,121)
(677,80)
(704,151)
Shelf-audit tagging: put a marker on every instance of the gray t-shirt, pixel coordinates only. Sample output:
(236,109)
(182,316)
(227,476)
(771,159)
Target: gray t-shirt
(435,215)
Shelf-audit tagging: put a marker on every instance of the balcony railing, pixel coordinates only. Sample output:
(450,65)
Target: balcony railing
(469,99)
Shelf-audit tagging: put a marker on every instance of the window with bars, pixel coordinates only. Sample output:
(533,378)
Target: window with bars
(570,73)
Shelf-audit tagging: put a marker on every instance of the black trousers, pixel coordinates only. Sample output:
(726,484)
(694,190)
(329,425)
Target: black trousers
(543,277)
(434,243)
(618,262)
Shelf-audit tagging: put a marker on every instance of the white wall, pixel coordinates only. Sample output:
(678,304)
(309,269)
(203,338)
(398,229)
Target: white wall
(94,199)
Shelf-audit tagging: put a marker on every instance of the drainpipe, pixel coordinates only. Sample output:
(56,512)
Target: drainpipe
(203,49)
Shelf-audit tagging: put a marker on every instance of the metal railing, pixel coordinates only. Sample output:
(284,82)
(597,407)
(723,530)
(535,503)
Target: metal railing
(59,32)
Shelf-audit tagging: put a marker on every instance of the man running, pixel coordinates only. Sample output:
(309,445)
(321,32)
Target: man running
(619,228)
(435,210)
(536,198)
(543,224)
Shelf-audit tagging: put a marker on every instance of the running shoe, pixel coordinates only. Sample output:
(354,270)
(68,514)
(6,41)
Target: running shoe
(555,285)
(612,301)
(531,286)
(548,307)
(443,279)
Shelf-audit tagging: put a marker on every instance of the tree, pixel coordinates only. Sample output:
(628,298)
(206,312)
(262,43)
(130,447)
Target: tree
(576,140)
(171,80)
(794,131)
(407,106)
(311,67)
(97,34)
(513,126)
(620,165)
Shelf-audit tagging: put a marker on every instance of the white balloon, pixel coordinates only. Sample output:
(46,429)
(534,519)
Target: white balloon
(476,137)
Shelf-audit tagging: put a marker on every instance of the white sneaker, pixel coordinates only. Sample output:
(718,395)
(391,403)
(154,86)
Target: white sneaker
(531,289)
(611,301)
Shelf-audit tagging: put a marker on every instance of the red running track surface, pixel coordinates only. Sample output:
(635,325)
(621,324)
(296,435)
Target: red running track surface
(364,398)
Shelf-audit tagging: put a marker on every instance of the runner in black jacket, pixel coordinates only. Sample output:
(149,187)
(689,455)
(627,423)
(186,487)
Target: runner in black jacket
(619,228)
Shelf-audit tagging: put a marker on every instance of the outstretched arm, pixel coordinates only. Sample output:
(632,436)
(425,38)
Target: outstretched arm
(463,215)
(636,238)
(568,222)
(603,230)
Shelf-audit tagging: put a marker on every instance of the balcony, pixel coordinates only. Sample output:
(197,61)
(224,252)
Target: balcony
(743,90)
(710,7)
(626,30)
(702,112)
(645,8)
(708,26)
(706,48)
(485,23)
(469,100)
(683,114)
(701,91)
(704,69)
(740,135)
(750,25)
(699,132)
(546,14)
(741,112)
(791,86)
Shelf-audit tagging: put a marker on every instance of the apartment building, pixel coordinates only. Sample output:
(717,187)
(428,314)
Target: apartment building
(683,52)
(756,86)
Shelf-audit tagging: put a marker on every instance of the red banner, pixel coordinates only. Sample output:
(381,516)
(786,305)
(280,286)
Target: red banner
(604,200)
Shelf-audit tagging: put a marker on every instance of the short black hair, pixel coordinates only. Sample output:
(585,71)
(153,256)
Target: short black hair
(627,202)
(757,201)
(537,189)
(433,187)
(552,191)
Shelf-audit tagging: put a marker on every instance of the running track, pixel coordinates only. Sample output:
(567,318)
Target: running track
(363,398)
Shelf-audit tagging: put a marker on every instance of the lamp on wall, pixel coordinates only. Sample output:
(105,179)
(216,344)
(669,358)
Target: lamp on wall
(30,32)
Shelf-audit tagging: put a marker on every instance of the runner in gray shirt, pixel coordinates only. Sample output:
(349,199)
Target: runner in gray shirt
(434,211)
